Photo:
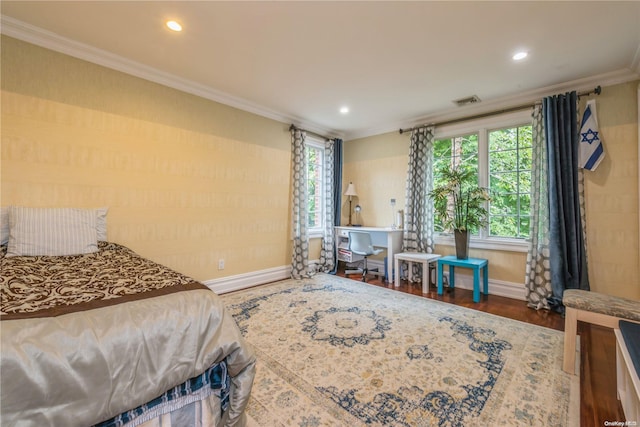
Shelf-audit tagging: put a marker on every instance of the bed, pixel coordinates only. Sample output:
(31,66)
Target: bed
(107,337)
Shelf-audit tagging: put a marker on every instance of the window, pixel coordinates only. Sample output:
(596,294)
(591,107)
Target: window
(510,181)
(499,149)
(315,185)
(455,151)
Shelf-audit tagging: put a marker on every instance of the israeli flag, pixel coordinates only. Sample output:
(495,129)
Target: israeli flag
(591,149)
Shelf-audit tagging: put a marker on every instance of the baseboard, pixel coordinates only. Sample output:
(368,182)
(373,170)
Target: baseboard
(247,280)
(253,278)
(496,287)
(260,277)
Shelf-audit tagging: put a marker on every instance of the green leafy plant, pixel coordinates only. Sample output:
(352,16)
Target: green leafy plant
(459,202)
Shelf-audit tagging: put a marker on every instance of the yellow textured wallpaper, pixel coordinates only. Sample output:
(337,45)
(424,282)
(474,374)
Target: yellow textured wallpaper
(187,181)
(611,196)
(378,165)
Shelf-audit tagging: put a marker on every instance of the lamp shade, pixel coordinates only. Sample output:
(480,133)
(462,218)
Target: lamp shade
(351,190)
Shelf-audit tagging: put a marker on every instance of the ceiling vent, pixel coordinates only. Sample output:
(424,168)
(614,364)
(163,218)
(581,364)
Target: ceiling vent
(466,101)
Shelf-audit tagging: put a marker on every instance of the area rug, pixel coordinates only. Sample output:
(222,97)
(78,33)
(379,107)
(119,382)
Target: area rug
(337,352)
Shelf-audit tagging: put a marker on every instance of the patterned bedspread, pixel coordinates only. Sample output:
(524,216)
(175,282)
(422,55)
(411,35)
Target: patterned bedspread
(45,286)
(86,338)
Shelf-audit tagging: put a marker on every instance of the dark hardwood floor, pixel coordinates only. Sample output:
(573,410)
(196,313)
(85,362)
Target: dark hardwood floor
(598,397)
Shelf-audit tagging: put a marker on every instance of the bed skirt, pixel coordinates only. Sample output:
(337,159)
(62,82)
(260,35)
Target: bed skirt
(200,401)
(201,413)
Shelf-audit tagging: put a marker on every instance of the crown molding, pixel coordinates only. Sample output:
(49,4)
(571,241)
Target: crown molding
(588,83)
(40,37)
(43,38)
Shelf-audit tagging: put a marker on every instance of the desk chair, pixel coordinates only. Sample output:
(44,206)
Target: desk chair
(360,244)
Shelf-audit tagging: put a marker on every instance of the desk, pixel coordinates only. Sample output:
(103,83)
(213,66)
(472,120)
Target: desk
(381,237)
(476,264)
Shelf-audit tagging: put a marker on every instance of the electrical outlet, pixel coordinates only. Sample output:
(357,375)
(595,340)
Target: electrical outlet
(221,264)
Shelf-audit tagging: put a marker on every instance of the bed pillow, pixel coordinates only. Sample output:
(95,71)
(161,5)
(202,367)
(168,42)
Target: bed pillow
(4,225)
(101,223)
(51,231)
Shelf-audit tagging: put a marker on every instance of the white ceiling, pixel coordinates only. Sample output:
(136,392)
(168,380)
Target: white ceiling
(393,63)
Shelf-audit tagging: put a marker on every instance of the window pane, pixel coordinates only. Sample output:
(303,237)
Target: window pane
(504,204)
(525,159)
(510,181)
(452,152)
(456,151)
(438,164)
(524,178)
(442,148)
(525,204)
(505,182)
(504,226)
(314,186)
(525,136)
(525,230)
(503,139)
(503,161)
(469,145)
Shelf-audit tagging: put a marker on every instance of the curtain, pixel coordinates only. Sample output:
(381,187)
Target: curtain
(300,255)
(418,216)
(332,197)
(337,180)
(567,252)
(538,275)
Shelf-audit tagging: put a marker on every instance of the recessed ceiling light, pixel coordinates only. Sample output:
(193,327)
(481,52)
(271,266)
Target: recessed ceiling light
(174,26)
(344,110)
(520,56)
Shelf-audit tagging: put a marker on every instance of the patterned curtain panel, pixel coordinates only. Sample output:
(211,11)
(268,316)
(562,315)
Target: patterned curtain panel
(337,180)
(583,210)
(538,276)
(567,251)
(327,253)
(300,257)
(418,216)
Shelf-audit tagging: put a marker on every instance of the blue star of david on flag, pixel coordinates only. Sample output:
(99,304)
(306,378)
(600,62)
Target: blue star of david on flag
(590,136)
(591,149)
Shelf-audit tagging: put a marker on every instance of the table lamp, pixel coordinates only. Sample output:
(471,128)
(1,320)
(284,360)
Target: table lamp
(351,191)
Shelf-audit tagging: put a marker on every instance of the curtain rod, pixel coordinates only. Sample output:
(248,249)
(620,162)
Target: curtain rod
(597,90)
(292,127)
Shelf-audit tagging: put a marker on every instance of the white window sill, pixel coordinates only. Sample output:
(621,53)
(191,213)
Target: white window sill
(491,243)
(315,234)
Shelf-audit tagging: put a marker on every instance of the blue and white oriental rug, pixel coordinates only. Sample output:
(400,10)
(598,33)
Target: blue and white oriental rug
(337,352)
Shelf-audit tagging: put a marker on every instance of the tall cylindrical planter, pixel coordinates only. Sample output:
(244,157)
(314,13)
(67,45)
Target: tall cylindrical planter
(462,243)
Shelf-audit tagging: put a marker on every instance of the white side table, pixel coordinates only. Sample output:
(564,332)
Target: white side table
(412,257)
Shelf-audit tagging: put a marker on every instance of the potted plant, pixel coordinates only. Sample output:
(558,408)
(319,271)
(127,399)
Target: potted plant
(460,204)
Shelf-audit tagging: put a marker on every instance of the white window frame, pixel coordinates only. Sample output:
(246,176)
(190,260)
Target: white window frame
(317,143)
(482,127)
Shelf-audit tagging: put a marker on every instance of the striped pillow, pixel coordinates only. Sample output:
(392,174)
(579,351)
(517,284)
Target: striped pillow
(51,231)
(101,223)
(4,225)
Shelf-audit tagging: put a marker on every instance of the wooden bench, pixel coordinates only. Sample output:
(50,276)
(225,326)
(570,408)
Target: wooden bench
(596,308)
(627,368)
